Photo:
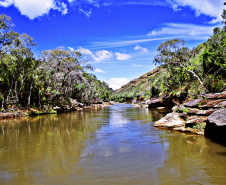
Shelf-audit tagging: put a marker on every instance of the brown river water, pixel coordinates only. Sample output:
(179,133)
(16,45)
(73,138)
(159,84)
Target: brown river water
(112,145)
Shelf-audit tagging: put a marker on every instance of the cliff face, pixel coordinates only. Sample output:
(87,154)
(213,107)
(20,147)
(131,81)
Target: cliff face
(141,84)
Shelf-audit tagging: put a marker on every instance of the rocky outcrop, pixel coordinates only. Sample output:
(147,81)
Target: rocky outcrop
(204,115)
(159,102)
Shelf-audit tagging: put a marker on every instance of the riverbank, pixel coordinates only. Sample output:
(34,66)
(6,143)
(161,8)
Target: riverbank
(204,115)
(15,112)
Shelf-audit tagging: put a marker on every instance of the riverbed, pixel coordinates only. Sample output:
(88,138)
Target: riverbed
(112,145)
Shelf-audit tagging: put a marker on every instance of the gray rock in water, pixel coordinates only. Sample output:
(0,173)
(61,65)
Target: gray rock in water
(218,117)
(171,120)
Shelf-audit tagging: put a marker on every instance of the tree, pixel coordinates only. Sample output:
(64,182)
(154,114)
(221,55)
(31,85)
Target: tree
(61,71)
(173,53)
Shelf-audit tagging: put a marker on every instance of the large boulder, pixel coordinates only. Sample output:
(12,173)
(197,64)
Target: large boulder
(159,102)
(216,126)
(218,117)
(171,120)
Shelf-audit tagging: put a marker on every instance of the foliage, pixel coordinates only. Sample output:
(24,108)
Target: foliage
(53,79)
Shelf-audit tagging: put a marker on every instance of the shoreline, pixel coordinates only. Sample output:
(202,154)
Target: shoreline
(23,112)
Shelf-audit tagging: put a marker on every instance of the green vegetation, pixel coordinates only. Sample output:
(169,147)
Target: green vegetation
(55,78)
(185,71)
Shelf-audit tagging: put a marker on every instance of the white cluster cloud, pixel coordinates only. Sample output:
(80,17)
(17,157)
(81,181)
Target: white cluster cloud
(122,56)
(84,51)
(99,56)
(99,71)
(141,49)
(35,8)
(103,55)
(116,83)
(212,8)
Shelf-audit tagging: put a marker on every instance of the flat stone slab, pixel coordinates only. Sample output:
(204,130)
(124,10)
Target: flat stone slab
(218,117)
(215,96)
(205,112)
(213,103)
(195,120)
(193,131)
(171,120)
(193,103)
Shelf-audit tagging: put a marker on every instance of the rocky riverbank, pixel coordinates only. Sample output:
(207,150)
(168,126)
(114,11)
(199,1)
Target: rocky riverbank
(15,112)
(205,115)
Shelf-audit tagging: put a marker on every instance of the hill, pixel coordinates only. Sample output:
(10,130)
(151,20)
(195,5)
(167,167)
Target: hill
(139,86)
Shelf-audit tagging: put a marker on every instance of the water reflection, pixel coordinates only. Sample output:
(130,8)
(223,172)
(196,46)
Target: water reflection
(114,145)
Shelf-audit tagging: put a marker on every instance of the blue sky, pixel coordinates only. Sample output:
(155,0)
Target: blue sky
(119,37)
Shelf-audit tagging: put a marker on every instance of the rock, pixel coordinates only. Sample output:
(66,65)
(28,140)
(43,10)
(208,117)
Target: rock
(193,103)
(66,108)
(205,112)
(156,103)
(7,115)
(216,126)
(57,108)
(218,117)
(212,104)
(223,104)
(147,101)
(182,129)
(134,102)
(80,105)
(171,120)
(184,115)
(175,109)
(111,102)
(194,131)
(160,108)
(215,96)
(74,103)
(192,111)
(195,120)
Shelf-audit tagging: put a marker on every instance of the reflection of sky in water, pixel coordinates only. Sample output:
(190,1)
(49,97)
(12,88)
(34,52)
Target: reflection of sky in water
(117,120)
(125,145)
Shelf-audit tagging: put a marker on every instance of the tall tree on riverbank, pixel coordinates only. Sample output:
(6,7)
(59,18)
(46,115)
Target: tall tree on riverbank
(56,77)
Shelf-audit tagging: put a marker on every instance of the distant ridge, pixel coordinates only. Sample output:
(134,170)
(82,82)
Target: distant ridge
(141,84)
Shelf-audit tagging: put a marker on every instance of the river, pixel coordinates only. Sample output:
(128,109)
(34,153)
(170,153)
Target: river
(112,145)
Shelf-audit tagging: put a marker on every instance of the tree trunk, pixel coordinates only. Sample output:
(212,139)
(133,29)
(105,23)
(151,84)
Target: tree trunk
(29,97)
(39,98)
(195,75)
(3,104)
(16,95)
(7,99)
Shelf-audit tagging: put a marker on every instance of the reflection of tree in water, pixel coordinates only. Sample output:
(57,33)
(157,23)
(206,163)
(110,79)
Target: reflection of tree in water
(191,160)
(42,146)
